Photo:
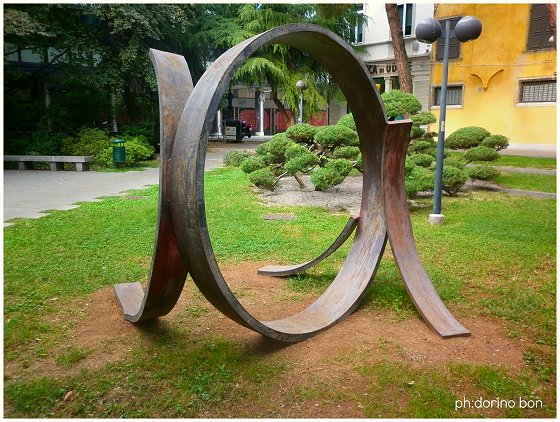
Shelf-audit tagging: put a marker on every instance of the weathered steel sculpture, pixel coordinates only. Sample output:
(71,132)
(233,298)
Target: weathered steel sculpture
(182,242)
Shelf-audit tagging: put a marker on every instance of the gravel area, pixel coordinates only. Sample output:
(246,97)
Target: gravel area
(345,197)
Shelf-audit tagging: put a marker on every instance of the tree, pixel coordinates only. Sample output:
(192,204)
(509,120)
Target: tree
(278,66)
(401,58)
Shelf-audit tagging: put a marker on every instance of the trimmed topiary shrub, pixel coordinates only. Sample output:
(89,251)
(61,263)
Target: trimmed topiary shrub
(301,164)
(253,163)
(482,172)
(416,132)
(497,142)
(235,158)
(336,135)
(400,103)
(452,162)
(423,118)
(348,121)
(453,179)
(481,154)
(302,133)
(349,153)
(466,137)
(332,174)
(422,160)
(263,178)
(422,146)
(417,179)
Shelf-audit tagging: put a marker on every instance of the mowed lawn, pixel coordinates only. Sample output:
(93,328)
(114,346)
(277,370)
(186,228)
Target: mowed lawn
(493,263)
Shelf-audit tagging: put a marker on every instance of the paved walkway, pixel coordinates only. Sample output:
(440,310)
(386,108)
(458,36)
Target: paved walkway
(30,193)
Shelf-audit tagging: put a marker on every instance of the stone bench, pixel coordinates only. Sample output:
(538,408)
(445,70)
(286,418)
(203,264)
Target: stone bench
(56,162)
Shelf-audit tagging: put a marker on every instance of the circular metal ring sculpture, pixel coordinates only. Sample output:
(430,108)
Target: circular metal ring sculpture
(183,243)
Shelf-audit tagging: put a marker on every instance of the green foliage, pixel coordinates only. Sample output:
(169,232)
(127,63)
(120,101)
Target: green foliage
(433,152)
(498,142)
(336,135)
(302,133)
(263,178)
(235,158)
(422,146)
(452,162)
(422,160)
(136,149)
(348,152)
(466,137)
(482,172)
(416,132)
(481,154)
(295,151)
(453,179)
(274,150)
(423,118)
(332,174)
(146,130)
(400,103)
(348,121)
(302,163)
(253,163)
(87,142)
(45,143)
(418,179)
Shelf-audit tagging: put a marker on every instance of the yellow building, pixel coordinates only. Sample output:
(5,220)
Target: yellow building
(505,81)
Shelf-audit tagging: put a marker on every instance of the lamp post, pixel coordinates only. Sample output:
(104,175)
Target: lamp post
(302,86)
(428,31)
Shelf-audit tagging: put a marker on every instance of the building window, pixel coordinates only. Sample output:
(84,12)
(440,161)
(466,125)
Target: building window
(405,17)
(454,44)
(454,95)
(359,29)
(537,91)
(539,28)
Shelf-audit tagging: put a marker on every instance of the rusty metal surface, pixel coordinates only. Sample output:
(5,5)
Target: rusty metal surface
(168,270)
(417,281)
(188,209)
(183,243)
(287,270)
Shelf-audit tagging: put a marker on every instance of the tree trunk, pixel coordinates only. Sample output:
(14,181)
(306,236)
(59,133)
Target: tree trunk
(401,58)
(551,13)
(287,119)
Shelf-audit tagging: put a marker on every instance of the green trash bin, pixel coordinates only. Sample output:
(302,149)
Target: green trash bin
(118,153)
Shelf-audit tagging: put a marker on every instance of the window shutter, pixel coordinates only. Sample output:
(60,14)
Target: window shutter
(539,30)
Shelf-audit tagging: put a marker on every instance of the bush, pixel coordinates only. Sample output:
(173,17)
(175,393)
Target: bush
(295,151)
(332,174)
(86,142)
(422,147)
(453,179)
(418,179)
(263,178)
(416,132)
(235,158)
(433,152)
(274,150)
(482,172)
(253,163)
(145,130)
(301,133)
(481,154)
(302,163)
(44,143)
(466,137)
(336,135)
(498,142)
(422,160)
(451,162)
(349,153)
(348,121)
(400,103)
(423,118)
(135,150)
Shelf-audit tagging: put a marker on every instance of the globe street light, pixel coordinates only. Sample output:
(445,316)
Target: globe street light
(428,31)
(302,86)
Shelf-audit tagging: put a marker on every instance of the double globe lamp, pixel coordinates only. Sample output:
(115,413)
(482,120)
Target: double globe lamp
(429,31)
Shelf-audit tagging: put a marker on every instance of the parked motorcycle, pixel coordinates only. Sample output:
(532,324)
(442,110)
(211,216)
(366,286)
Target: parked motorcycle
(246,129)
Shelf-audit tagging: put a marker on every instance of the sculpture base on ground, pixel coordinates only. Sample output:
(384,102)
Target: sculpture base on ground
(436,219)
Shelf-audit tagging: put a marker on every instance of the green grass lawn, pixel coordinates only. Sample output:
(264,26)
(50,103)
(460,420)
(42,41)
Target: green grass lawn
(526,181)
(517,161)
(494,258)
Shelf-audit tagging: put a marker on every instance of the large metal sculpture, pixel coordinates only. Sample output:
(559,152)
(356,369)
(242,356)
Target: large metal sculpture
(182,243)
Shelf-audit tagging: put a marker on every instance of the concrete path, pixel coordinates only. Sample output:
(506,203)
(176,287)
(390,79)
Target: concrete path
(29,193)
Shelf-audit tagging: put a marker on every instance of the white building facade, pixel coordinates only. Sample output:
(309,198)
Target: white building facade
(374,38)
